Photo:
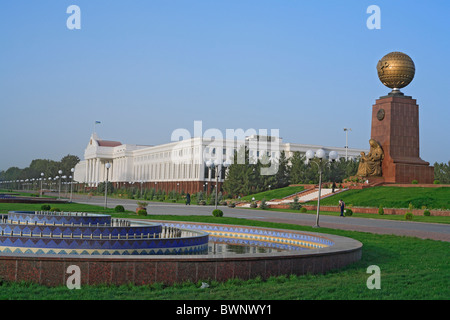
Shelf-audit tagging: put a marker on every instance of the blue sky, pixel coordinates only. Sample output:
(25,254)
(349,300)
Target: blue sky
(147,67)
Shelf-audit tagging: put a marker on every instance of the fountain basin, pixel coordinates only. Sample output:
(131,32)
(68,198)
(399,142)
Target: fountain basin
(77,233)
(284,254)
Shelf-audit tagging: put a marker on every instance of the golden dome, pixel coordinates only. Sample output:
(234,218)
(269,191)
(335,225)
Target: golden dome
(396,70)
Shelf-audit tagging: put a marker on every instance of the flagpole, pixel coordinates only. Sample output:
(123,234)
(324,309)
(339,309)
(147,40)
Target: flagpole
(95,123)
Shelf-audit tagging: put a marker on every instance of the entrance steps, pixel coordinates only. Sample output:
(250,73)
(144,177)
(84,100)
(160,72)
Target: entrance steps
(303,196)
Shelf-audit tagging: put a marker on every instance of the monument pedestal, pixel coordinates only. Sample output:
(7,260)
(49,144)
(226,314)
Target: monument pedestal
(395,125)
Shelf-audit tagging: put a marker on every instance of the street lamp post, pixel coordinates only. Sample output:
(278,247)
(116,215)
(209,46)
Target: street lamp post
(210,165)
(320,154)
(346,142)
(108,165)
(65,183)
(216,164)
(71,183)
(42,178)
(59,193)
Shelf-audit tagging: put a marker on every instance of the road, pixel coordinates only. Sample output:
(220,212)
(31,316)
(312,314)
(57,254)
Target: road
(434,231)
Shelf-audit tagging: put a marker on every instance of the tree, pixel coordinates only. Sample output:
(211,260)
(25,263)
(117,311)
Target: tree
(265,168)
(283,171)
(50,168)
(442,172)
(337,171)
(68,162)
(13,173)
(299,169)
(241,174)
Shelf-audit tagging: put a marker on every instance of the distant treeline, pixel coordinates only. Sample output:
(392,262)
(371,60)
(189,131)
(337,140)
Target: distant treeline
(50,168)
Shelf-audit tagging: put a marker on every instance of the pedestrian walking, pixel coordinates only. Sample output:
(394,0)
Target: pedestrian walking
(342,207)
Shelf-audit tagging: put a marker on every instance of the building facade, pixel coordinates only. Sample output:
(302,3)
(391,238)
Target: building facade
(182,165)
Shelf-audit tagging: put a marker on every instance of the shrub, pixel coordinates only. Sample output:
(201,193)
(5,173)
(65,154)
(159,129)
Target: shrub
(408,215)
(45,207)
(142,212)
(295,205)
(263,204)
(380,210)
(414,182)
(55,209)
(253,205)
(142,204)
(436,182)
(348,212)
(231,204)
(202,202)
(217,213)
(101,187)
(303,210)
(119,208)
(426,213)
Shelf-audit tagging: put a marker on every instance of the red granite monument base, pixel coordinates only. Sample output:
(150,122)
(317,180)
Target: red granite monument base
(395,125)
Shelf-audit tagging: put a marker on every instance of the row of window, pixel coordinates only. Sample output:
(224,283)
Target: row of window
(208,151)
(166,171)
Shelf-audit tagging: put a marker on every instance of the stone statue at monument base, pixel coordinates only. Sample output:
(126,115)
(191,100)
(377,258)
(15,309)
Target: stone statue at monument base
(370,164)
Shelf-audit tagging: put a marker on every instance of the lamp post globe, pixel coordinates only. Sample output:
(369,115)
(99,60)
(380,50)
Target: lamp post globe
(333,155)
(320,154)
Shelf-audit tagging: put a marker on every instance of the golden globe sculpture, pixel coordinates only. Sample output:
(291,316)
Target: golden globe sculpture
(396,70)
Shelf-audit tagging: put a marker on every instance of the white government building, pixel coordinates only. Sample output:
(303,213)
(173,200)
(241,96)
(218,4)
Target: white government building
(181,165)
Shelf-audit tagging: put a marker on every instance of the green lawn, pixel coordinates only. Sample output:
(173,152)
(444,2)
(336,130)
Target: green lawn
(411,268)
(274,194)
(416,218)
(394,197)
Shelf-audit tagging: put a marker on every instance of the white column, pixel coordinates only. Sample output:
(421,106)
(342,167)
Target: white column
(86,171)
(111,172)
(89,178)
(119,170)
(97,170)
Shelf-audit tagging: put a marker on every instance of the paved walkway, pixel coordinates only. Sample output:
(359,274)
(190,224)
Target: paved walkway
(422,230)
